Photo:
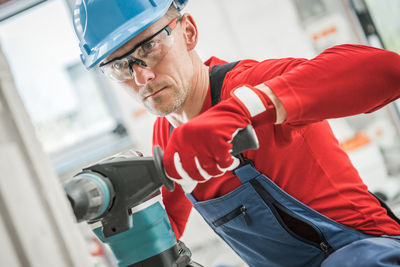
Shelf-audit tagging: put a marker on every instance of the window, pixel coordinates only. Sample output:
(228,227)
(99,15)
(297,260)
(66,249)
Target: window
(75,118)
(386,19)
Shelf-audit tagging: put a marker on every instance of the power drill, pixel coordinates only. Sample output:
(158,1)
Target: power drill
(120,198)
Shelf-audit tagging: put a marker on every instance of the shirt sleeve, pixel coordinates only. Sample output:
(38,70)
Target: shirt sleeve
(176,204)
(341,81)
(178,208)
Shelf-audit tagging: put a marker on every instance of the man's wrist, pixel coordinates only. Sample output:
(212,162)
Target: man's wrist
(256,104)
(279,108)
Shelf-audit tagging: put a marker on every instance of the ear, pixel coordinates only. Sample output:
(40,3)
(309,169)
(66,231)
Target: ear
(190,31)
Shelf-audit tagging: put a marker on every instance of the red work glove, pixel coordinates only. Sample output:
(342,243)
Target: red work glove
(201,148)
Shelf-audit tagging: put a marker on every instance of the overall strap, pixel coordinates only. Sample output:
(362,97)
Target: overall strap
(217,77)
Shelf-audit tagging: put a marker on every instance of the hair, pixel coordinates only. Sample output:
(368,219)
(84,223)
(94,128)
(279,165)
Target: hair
(172,12)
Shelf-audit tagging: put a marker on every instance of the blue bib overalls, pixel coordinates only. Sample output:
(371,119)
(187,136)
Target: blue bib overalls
(258,221)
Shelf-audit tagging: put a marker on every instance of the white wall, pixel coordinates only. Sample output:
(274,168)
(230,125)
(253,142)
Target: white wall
(259,29)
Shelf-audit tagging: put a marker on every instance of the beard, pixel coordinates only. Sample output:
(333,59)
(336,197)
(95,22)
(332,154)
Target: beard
(165,104)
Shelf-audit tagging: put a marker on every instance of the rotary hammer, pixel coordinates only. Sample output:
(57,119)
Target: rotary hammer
(120,198)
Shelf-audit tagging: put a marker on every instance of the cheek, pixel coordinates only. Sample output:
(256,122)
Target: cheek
(184,71)
(182,62)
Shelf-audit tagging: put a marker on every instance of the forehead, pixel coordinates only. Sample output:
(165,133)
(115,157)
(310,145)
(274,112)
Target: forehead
(138,38)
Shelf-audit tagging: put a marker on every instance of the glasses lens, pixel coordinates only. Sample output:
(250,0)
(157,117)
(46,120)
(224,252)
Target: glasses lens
(153,51)
(149,54)
(117,70)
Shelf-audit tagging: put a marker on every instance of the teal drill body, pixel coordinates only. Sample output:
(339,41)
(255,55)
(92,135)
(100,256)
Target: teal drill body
(149,235)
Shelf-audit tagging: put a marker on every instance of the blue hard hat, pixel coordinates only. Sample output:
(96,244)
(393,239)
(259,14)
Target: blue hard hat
(103,26)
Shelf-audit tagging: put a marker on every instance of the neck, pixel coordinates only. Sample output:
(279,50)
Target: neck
(196,95)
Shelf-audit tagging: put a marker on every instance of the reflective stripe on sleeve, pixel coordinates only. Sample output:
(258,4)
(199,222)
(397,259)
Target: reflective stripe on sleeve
(250,100)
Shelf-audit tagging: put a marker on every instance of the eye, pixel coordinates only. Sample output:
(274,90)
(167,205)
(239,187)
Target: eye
(147,47)
(119,65)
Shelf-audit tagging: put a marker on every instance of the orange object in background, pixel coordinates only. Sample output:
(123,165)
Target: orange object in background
(139,113)
(324,33)
(360,140)
(97,249)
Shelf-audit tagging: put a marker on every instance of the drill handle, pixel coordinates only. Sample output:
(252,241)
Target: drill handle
(244,140)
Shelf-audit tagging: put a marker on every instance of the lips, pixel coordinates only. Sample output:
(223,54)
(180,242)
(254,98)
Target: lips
(154,93)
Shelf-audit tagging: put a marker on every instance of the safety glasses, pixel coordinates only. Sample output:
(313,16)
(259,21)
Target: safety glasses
(147,53)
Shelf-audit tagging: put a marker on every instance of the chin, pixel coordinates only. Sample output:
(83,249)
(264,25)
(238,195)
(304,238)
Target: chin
(164,110)
(161,112)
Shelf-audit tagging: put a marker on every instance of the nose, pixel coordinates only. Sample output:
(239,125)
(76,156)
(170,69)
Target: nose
(143,75)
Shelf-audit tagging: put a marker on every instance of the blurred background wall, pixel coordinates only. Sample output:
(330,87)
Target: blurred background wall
(78,117)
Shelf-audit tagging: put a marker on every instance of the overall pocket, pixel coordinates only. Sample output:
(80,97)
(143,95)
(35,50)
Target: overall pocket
(241,210)
(295,225)
(257,232)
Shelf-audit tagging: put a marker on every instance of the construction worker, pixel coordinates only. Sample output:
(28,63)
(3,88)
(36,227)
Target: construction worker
(296,200)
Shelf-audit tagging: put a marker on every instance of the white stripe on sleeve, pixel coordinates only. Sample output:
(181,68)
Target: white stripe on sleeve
(251,100)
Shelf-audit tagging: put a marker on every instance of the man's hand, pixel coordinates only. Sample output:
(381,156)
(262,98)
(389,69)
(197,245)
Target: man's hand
(201,148)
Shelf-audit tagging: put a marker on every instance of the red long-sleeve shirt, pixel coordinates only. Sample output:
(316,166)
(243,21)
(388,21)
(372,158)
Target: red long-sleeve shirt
(301,155)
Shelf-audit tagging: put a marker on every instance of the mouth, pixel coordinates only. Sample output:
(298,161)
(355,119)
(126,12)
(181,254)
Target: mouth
(155,93)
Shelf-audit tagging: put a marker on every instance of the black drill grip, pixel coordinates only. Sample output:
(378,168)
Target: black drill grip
(244,140)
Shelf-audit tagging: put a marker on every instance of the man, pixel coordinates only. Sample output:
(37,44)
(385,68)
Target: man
(299,202)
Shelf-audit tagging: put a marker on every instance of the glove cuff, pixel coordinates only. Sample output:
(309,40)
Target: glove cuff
(256,104)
